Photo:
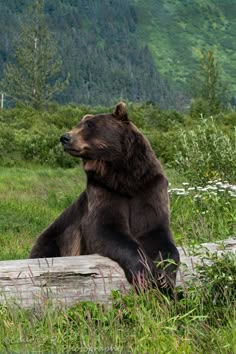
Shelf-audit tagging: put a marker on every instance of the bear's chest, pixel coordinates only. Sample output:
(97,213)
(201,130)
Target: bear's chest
(142,216)
(136,216)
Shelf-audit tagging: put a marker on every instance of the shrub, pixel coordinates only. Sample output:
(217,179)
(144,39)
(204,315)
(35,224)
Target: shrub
(206,153)
(230,119)
(149,116)
(8,149)
(163,144)
(21,128)
(42,146)
(199,107)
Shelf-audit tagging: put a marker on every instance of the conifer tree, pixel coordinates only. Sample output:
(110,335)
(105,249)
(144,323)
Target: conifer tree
(33,77)
(209,86)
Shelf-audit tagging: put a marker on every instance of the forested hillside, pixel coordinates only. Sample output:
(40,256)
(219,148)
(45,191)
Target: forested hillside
(133,49)
(177,30)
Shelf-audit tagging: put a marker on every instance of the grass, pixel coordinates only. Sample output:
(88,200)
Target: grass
(137,324)
(31,197)
(203,214)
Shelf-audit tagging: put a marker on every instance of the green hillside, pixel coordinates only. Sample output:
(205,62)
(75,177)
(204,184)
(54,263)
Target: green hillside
(178,30)
(131,49)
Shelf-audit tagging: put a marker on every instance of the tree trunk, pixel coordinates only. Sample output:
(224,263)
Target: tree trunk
(68,280)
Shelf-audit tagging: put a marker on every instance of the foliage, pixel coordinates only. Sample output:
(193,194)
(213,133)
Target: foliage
(149,115)
(208,86)
(32,78)
(137,324)
(207,152)
(132,55)
(42,146)
(219,279)
(228,118)
(103,56)
(201,214)
(33,196)
(201,317)
(199,108)
(178,31)
(22,127)
(33,135)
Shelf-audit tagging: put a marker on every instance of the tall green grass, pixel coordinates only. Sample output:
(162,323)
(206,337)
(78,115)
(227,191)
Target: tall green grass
(148,323)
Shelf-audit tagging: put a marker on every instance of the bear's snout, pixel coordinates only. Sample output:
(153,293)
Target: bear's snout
(66,139)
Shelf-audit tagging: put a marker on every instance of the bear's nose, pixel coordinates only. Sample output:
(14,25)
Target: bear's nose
(66,139)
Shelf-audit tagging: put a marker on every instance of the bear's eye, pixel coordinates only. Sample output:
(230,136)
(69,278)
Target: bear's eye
(89,124)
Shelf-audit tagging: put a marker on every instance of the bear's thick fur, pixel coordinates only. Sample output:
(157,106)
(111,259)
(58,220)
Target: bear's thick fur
(123,213)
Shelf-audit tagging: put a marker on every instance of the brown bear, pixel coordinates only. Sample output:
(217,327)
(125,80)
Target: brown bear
(123,213)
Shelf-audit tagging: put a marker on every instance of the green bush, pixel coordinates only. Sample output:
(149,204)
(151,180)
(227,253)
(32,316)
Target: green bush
(229,119)
(207,152)
(199,108)
(150,116)
(8,148)
(163,144)
(42,146)
(29,134)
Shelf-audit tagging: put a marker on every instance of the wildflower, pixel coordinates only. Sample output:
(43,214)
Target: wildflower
(232,194)
(191,188)
(182,193)
(211,188)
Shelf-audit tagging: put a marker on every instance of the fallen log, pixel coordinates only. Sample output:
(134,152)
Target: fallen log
(66,281)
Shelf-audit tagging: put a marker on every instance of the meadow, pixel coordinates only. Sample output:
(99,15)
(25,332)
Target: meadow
(33,196)
(34,190)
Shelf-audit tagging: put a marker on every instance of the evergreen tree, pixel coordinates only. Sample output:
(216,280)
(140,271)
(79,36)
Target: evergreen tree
(209,87)
(32,78)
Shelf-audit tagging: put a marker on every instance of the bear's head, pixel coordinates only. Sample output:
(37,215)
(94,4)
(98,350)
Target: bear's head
(98,137)
(114,151)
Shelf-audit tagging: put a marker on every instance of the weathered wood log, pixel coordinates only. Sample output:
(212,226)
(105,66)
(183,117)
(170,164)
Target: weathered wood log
(68,280)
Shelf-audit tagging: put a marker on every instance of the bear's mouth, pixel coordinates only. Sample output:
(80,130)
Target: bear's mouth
(88,164)
(77,152)
(71,151)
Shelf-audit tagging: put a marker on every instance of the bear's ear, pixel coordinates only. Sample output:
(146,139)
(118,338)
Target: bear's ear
(120,112)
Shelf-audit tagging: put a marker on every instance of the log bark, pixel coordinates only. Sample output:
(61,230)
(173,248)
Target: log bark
(32,283)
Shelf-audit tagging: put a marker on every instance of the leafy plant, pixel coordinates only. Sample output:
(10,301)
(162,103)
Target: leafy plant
(42,146)
(219,278)
(207,152)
